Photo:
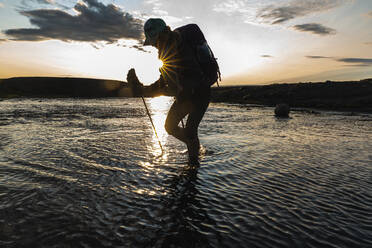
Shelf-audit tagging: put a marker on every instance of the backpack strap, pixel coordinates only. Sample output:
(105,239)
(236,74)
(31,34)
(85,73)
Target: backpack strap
(218,68)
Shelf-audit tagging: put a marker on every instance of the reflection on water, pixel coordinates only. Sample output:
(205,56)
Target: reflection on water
(90,173)
(159,108)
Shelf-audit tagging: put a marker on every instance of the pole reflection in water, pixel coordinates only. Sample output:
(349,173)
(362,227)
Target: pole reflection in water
(158,108)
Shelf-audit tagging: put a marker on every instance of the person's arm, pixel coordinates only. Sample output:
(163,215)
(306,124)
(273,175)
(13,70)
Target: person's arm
(156,89)
(138,89)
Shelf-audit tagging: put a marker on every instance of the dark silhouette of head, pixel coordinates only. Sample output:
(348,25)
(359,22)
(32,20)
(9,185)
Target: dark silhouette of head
(154,28)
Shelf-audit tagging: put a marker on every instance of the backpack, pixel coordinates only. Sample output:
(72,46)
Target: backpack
(194,37)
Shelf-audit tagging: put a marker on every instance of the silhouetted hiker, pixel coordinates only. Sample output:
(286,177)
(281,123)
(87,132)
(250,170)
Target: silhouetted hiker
(189,69)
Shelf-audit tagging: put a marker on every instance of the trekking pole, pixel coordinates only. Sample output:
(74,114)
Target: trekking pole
(152,123)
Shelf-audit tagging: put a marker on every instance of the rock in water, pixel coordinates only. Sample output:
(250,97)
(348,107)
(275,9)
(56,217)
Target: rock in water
(282,110)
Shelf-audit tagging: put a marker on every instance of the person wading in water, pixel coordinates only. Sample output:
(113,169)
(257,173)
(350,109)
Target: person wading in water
(182,75)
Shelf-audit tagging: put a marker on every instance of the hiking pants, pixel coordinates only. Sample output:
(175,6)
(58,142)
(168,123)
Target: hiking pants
(194,105)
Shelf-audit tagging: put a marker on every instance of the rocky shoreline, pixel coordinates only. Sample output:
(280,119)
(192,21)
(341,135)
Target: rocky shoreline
(350,96)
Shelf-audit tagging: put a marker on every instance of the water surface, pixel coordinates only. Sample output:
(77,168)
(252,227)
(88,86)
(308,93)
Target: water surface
(90,173)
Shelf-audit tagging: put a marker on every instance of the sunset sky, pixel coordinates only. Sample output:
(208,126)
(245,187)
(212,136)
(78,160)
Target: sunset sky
(255,41)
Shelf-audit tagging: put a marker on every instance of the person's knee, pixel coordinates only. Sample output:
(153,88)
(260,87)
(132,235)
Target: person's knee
(171,129)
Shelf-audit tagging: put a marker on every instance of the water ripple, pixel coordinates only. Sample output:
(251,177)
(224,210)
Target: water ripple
(89,173)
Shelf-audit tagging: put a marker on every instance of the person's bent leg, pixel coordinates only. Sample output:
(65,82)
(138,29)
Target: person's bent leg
(176,113)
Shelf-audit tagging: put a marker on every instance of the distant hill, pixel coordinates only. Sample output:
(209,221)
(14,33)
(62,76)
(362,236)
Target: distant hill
(62,87)
(349,95)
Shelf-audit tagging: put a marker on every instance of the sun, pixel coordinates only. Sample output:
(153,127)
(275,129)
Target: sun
(170,62)
(159,64)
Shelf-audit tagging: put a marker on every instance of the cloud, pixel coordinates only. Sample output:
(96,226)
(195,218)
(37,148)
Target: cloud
(230,7)
(30,4)
(273,11)
(356,61)
(276,14)
(174,12)
(241,9)
(1,5)
(315,28)
(317,57)
(140,48)
(45,1)
(359,62)
(94,22)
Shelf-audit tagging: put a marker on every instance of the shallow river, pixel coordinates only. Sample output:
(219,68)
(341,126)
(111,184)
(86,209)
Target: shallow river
(90,173)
